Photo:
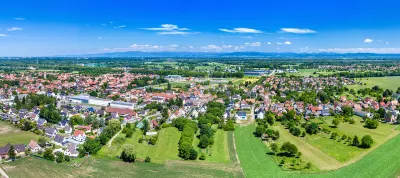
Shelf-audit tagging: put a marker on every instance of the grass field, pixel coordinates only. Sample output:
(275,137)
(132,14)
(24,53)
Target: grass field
(310,72)
(382,162)
(309,153)
(384,82)
(13,135)
(340,150)
(38,168)
(165,149)
(219,151)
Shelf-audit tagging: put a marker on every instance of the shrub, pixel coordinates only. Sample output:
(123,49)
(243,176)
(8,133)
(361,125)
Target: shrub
(147,160)
(202,156)
(366,141)
(371,124)
(140,140)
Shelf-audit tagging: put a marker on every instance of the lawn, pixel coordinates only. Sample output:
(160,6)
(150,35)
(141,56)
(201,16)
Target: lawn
(97,167)
(382,162)
(383,82)
(14,135)
(165,149)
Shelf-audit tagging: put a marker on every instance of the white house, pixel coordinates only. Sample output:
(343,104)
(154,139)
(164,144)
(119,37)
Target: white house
(79,136)
(241,115)
(71,151)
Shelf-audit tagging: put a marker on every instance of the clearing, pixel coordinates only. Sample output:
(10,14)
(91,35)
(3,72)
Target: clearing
(13,135)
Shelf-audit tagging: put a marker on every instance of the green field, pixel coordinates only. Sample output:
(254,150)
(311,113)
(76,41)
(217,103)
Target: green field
(310,72)
(13,135)
(384,82)
(95,167)
(219,151)
(165,149)
(255,162)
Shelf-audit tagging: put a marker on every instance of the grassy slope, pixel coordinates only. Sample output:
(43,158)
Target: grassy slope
(13,135)
(219,150)
(310,153)
(340,150)
(382,162)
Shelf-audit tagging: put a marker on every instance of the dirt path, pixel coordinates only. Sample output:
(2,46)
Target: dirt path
(311,153)
(3,174)
(111,140)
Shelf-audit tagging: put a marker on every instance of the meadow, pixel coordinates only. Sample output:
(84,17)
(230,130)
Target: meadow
(218,152)
(165,149)
(255,162)
(14,135)
(391,83)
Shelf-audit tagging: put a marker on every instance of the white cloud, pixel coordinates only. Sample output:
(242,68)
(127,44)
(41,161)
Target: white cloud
(288,42)
(121,26)
(212,47)
(362,50)
(278,43)
(2,34)
(144,48)
(176,33)
(387,43)
(14,29)
(368,40)
(254,44)
(170,29)
(18,18)
(269,42)
(166,27)
(241,30)
(246,37)
(103,24)
(111,22)
(297,30)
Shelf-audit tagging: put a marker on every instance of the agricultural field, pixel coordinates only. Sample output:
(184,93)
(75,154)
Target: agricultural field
(245,79)
(13,135)
(310,72)
(165,149)
(391,83)
(255,161)
(97,167)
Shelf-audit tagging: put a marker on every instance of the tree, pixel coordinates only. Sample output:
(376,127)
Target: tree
(146,126)
(260,129)
(169,86)
(128,154)
(289,148)
(51,114)
(355,142)
(295,131)
(274,148)
(66,158)
(92,145)
(11,153)
(204,141)
(48,154)
(59,157)
(312,128)
(202,156)
(76,120)
(347,111)
(371,124)
(129,133)
(366,141)
(303,134)
(42,142)
(336,122)
(193,154)
(230,126)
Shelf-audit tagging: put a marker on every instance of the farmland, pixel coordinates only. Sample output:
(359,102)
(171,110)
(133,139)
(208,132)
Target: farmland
(13,135)
(256,163)
(96,167)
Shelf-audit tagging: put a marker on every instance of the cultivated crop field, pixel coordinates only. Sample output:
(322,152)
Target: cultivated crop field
(255,162)
(13,135)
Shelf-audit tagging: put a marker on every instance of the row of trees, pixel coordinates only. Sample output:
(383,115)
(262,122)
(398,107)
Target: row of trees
(188,128)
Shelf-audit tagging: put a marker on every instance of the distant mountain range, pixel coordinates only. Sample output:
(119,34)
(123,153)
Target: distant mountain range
(234,54)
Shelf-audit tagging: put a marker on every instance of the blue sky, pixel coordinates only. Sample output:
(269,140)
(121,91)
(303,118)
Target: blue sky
(39,28)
